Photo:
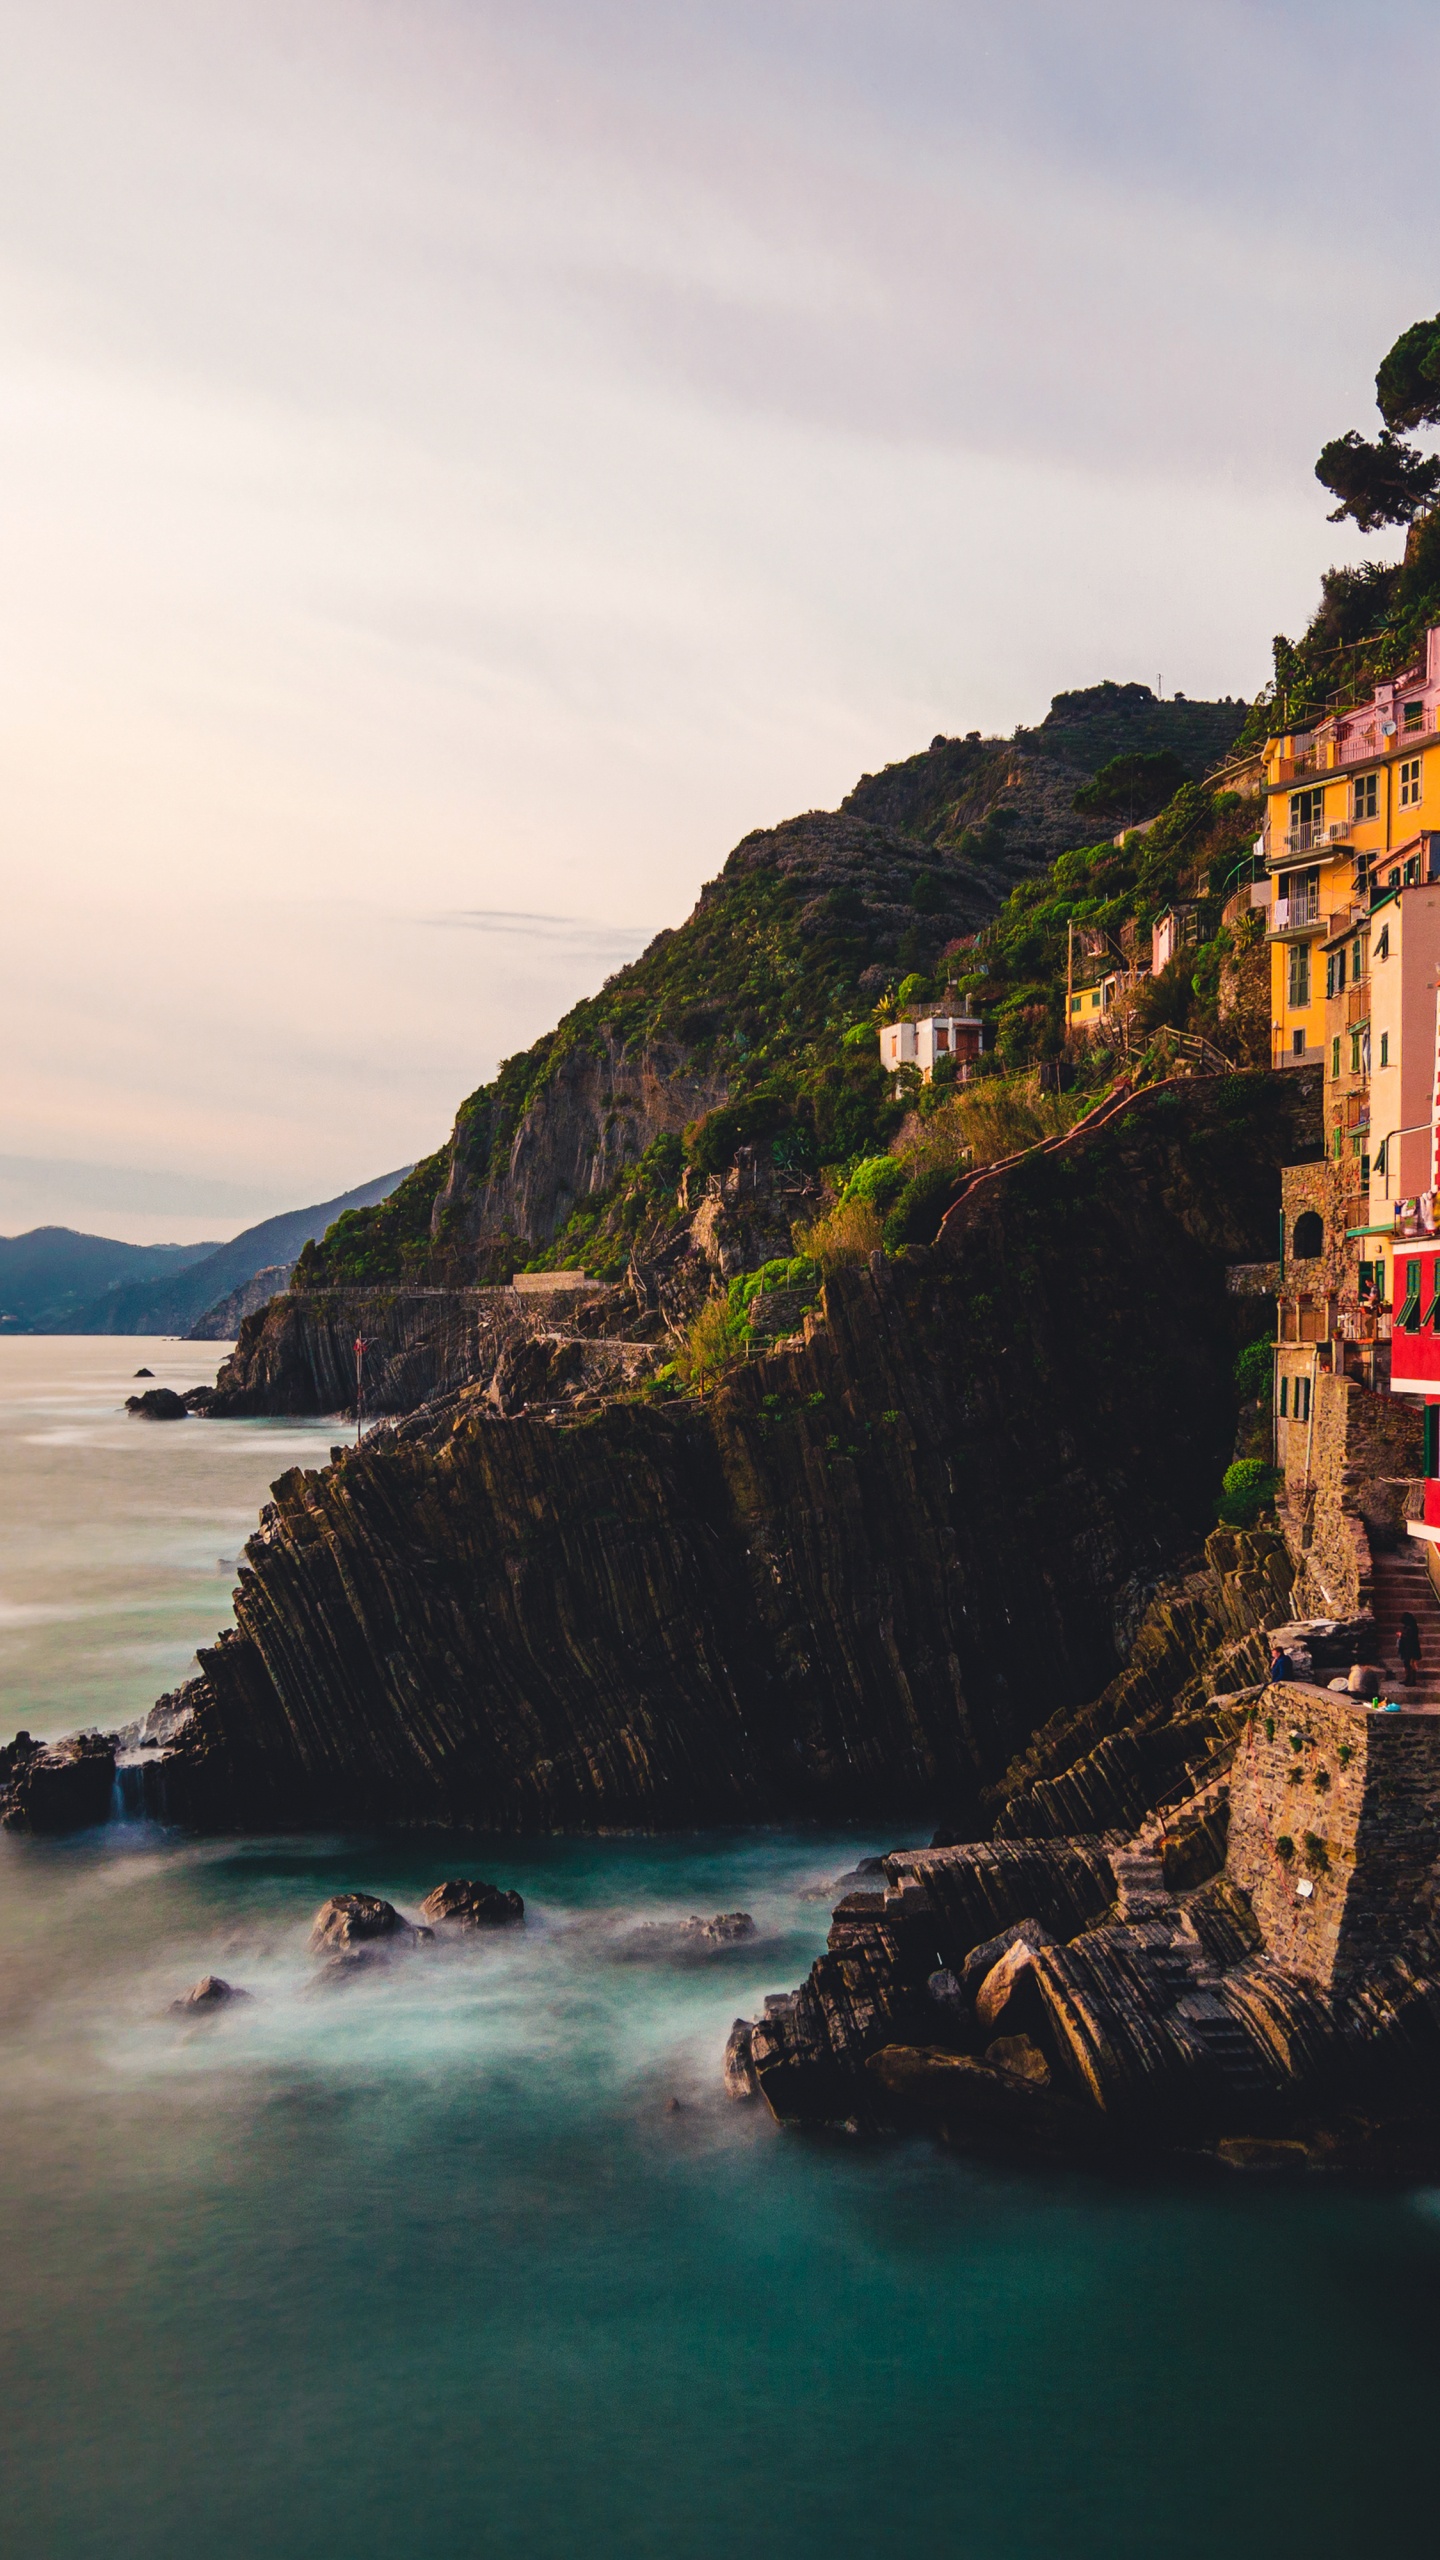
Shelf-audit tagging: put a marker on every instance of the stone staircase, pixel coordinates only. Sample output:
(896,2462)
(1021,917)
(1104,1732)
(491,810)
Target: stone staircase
(1402,1582)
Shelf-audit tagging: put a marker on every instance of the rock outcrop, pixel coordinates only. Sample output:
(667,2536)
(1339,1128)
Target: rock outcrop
(1287,1990)
(59,1786)
(468,1902)
(859,1574)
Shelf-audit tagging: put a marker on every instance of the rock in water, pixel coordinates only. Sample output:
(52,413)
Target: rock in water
(740,2080)
(356,1919)
(468,1902)
(158,1404)
(144,1373)
(60,1786)
(725,1930)
(210,1992)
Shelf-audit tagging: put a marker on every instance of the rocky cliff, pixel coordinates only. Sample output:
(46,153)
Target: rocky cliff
(860,1573)
(574,1149)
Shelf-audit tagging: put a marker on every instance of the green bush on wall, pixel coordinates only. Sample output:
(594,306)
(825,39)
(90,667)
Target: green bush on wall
(1249,1489)
(1255,1371)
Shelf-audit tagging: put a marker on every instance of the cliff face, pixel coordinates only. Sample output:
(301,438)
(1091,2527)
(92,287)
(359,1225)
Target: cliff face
(860,1574)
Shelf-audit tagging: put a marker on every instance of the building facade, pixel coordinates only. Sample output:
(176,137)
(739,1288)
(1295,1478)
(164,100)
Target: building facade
(924,1034)
(1352,810)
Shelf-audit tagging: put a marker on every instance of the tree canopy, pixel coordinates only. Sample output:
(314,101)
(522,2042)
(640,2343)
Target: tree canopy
(1390,481)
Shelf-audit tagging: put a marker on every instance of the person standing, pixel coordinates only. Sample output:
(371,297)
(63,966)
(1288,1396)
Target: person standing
(1407,1645)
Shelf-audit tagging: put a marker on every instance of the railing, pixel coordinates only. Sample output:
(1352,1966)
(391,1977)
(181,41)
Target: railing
(1309,838)
(1363,1324)
(1293,915)
(1376,736)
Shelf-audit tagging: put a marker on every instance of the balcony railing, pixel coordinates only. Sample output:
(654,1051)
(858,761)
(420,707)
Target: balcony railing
(1357,1005)
(1363,1324)
(1308,839)
(1294,915)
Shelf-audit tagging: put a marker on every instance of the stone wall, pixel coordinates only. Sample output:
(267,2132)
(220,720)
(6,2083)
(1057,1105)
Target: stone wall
(1365,1448)
(1334,1827)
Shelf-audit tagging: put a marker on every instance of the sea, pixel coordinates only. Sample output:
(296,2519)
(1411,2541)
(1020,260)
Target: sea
(473,2256)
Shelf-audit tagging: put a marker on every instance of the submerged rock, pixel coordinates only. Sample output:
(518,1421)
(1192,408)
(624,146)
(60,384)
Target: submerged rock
(58,1786)
(727,1929)
(210,1992)
(351,1920)
(468,1902)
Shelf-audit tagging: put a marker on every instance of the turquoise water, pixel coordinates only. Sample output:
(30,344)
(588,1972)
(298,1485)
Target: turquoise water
(429,2263)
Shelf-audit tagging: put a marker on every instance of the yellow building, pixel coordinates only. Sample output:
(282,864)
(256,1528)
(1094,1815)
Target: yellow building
(1352,805)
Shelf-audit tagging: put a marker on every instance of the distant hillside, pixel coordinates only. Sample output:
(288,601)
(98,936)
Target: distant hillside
(754,1018)
(50,1273)
(172,1301)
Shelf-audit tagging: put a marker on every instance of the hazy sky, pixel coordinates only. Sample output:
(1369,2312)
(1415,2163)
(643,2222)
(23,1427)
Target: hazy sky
(463,465)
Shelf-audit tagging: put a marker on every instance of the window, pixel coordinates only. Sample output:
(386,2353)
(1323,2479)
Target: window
(1307,809)
(1365,803)
(1335,1055)
(1432,1439)
(1297,1044)
(1412,872)
(1330,986)
(1355,1053)
(1284,1396)
(1384,1048)
(1409,1315)
(1095,1001)
(1075,1003)
(1299,977)
(1382,947)
(1302,1399)
(1410,784)
(1414,715)
(942,1036)
(1355,960)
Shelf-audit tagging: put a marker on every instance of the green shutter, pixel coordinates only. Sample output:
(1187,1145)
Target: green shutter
(1410,1312)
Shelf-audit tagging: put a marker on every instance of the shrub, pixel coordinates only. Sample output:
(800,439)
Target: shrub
(708,1347)
(1285,1846)
(1316,1853)
(850,1232)
(880,1180)
(711,1143)
(1249,1490)
(1255,1372)
(914,989)
(916,1216)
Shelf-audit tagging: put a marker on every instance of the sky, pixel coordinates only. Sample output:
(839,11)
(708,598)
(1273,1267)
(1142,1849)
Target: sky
(463,466)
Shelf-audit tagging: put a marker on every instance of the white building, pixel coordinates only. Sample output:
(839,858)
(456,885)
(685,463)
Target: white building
(925,1033)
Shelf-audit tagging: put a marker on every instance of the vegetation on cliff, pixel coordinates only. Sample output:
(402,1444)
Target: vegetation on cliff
(768,995)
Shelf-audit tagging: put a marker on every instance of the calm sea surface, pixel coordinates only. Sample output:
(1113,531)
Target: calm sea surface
(430,2264)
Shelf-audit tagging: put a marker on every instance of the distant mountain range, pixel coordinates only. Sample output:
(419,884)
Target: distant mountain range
(54,1280)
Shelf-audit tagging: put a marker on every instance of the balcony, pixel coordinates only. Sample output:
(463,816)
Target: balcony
(1293,915)
(1363,1324)
(1311,839)
(1357,1005)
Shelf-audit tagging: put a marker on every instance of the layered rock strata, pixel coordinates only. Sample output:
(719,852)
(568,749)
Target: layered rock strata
(1274,1976)
(860,1573)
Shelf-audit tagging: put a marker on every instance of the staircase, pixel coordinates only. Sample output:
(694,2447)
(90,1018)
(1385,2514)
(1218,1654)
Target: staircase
(1401,1582)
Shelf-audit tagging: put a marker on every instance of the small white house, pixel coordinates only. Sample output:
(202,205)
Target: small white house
(925,1033)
